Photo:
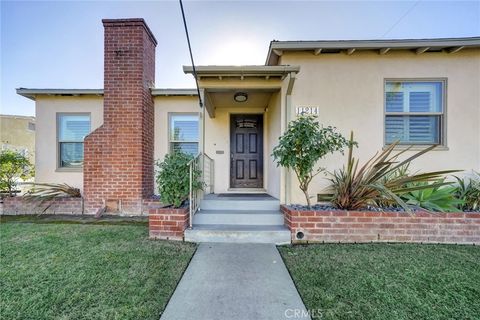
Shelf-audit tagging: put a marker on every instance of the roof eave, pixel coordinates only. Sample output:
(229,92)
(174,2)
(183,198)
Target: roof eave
(33,93)
(453,45)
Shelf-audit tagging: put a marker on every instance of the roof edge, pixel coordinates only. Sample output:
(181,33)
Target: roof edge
(31,93)
(277,47)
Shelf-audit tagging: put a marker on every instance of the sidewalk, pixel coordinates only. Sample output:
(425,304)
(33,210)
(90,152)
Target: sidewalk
(235,281)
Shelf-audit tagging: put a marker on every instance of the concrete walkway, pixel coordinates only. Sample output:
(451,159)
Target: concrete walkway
(235,281)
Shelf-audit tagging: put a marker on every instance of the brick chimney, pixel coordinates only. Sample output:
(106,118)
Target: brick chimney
(118,165)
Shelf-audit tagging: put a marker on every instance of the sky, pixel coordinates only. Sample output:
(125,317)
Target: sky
(60,44)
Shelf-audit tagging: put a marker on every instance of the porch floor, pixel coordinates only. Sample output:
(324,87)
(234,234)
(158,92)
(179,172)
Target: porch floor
(239,196)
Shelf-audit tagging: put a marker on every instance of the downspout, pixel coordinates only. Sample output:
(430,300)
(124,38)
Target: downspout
(288,108)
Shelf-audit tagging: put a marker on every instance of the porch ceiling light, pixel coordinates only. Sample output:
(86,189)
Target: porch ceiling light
(240,97)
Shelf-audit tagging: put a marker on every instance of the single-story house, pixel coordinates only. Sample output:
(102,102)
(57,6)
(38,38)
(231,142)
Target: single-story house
(105,141)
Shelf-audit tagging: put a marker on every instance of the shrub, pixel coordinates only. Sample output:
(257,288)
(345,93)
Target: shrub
(433,198)
(13,167)
(378,181)
(303,144)
(468,191)
(173,179)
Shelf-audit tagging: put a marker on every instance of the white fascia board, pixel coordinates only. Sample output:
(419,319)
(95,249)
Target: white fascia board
(259,70)
(33,93)
(283,46)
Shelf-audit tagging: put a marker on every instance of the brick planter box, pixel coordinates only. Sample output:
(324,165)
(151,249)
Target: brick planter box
(168,223)
(61,205)
(372,226)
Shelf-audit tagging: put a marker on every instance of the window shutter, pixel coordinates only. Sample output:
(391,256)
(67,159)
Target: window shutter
(394,101)
(74,127)
(185,147)
(420,102)
(184,128)
(395,129)
(423,129)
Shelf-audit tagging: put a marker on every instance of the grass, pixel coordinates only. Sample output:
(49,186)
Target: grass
(387,281)
(82,271)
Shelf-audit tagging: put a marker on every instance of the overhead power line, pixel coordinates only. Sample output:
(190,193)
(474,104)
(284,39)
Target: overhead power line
(401,18)
(191,55)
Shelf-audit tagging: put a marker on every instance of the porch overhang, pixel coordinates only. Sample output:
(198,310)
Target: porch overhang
(215,79)
(242,72)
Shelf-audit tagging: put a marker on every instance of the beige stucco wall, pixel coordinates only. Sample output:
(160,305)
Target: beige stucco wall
(163,106)
(217,138)
(273,116)
(217,135)
(46,109)
(349,92)
(347,89)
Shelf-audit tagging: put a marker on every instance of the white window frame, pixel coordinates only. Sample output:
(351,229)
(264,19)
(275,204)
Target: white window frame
(442,145)
(58,141)
(170,141)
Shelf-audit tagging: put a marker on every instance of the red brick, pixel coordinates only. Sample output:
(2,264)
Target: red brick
(118,156)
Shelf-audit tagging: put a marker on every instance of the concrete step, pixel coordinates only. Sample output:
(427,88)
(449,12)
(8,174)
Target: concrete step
(238,234)
(238,217)
(240,204)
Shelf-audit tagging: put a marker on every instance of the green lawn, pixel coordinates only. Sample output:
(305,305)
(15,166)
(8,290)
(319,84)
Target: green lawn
(75,271)
(387,281)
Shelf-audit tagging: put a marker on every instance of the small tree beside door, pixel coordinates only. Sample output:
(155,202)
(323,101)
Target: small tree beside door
(303,144)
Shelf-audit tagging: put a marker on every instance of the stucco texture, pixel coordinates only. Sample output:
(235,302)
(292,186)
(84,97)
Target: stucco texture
(46,144)
(348,89)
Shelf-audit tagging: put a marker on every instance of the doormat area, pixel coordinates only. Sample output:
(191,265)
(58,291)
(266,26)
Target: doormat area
(243,195)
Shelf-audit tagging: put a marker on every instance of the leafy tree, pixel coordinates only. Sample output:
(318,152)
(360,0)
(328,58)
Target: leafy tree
(173,178)
(303,144)
(13,167)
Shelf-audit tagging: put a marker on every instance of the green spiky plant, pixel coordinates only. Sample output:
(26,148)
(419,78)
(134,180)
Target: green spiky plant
(436,198)
(468,190)
(45,193)
(355,187)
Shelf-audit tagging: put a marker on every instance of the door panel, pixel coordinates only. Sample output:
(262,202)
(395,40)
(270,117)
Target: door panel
(252,169)
(252,142)
(239,169)
(246,151)
(239,142)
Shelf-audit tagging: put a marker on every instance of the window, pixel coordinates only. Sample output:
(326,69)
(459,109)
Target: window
(72,129)
(184,134)
(31,126)
(414,112)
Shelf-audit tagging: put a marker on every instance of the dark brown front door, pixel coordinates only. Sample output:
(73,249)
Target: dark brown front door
(246,151)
